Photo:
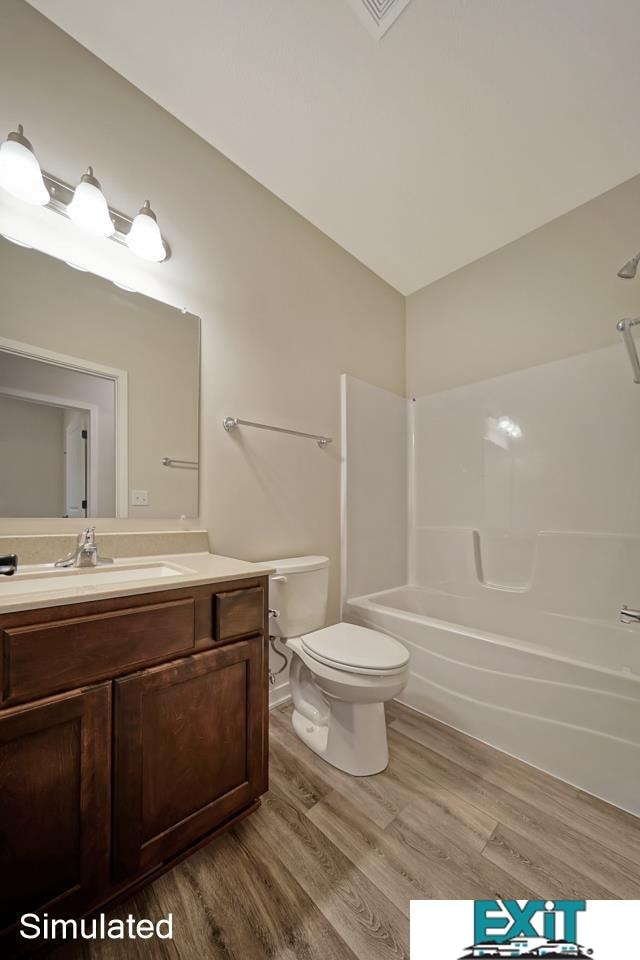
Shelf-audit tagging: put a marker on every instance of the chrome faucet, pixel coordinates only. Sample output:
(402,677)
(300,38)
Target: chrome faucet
(86,552)
(8,565)
(629,616)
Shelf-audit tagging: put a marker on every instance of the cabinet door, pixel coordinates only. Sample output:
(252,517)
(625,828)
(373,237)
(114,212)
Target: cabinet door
(188,752)
(54,803)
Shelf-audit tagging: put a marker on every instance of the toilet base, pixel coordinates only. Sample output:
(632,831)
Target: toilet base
(354,738)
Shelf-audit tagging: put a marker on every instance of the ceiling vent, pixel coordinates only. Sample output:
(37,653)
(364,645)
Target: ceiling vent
(379,15)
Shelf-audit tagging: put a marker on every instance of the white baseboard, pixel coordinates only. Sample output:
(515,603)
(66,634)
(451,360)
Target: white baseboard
(279,694)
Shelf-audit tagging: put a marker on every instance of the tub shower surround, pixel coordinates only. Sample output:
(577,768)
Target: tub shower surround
(523,547)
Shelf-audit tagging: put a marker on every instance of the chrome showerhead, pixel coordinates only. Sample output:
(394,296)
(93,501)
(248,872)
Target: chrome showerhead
(630,268)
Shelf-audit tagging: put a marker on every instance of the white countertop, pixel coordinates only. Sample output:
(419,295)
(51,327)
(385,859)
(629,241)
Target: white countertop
(172,572)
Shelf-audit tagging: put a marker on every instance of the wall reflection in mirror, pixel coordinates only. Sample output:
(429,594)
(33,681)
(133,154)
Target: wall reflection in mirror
(98,386)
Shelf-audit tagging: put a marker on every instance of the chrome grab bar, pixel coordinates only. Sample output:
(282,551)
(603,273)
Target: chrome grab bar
(629,616)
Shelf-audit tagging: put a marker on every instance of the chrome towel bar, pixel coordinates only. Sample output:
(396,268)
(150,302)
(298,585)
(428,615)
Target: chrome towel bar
(169,462)
(231,423)
(624,329)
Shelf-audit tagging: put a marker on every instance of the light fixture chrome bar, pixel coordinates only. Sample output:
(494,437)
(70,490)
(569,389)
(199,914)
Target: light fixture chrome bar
(624,329)
(170,462)
(61,194)
(231,423)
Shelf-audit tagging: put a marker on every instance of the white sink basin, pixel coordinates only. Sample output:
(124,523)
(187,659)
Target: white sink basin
(84,580)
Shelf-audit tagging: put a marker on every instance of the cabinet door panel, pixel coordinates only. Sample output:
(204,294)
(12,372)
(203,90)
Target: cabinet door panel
(54,803)
(175,786)
(188,752)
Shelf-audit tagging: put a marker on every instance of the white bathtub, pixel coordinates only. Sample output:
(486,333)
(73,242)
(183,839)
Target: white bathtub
(560,692)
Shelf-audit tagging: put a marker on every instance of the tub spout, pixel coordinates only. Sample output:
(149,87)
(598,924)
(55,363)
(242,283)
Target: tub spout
(629,616)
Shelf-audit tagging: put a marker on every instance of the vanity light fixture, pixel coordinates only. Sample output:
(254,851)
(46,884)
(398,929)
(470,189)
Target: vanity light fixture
(144,237)
(20,172)
(85,205)
(89,207)
(76,266)
(18,243)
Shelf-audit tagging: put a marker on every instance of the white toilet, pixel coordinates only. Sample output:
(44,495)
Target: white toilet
(340,676)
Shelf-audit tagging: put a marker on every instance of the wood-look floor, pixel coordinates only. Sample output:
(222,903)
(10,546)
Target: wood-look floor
(326,868)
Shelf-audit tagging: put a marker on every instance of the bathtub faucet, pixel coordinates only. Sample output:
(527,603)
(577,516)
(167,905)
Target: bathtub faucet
(629,616)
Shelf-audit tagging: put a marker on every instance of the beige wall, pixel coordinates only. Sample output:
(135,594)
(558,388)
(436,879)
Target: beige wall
(32,458)
(284,310)
(52,383)
(551,294)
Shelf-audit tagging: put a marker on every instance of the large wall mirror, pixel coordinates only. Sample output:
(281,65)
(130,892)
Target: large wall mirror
(99,396)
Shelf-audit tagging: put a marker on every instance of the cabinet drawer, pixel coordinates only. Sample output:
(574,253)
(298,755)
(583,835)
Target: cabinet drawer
(46,657)
(239,613)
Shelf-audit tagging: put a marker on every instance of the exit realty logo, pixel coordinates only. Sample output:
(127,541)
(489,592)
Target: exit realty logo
(532,929)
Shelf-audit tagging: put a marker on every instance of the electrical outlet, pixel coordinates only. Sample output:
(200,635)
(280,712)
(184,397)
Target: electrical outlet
(139,498)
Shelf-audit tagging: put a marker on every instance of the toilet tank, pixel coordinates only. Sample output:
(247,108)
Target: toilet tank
(298,590)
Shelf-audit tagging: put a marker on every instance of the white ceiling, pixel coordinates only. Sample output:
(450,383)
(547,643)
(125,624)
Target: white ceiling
(468,124)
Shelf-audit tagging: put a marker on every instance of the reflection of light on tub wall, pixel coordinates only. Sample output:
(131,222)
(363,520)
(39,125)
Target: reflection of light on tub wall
(502,430)
(507,424)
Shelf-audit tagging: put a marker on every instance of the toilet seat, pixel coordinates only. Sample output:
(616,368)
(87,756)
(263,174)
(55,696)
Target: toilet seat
(354,649)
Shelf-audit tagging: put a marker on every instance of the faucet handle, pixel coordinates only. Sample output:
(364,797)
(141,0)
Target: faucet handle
(8,564)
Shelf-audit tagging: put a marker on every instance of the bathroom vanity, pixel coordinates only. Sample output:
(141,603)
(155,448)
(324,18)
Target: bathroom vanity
(133,695)
(133,724)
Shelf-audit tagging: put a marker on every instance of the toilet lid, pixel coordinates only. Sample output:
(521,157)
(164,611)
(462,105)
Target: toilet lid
(358,648)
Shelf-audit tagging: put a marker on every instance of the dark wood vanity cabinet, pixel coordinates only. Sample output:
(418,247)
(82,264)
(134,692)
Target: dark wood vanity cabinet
(161,743)
(54,802)
(187,752)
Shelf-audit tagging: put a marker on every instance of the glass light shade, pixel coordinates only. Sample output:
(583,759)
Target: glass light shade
(18,243)
(89,208)
(144,237)
(20,173)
